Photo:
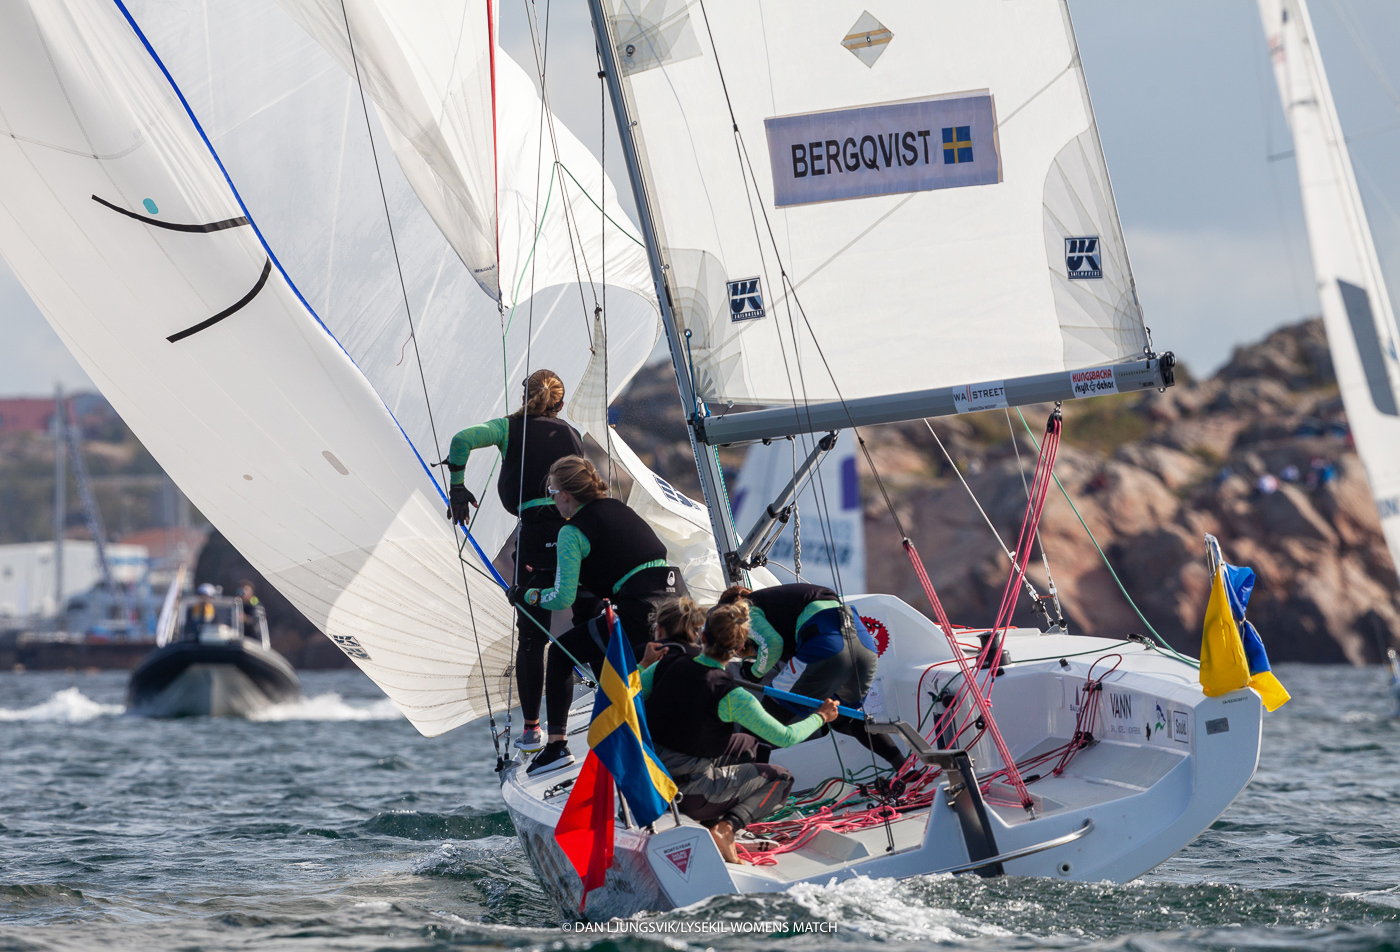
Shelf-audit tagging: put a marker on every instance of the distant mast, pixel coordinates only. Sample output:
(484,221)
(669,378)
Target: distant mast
(1356,309)
(60,499)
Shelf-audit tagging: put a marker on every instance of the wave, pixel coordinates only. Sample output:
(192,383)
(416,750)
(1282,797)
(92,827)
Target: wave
(69,706)
(329,707)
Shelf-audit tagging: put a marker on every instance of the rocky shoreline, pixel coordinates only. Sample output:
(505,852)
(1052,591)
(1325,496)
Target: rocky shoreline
(1258,455)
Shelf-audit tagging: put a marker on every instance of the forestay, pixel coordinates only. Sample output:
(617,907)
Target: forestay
(1356,308)
(903,202)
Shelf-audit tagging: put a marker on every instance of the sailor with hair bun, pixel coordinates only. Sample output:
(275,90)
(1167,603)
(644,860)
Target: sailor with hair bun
(530,440)
(610,550)
(809,642)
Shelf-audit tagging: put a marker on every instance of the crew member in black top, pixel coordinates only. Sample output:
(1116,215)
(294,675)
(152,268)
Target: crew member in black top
(531,440)
(810,643)
(610,550)
(693,707)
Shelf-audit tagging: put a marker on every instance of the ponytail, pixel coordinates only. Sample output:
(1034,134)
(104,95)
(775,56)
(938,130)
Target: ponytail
(726,630)
(734,594)
(680,620)
(577,477)
(544,395)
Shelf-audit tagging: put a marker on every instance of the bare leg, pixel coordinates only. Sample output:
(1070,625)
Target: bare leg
(723,833)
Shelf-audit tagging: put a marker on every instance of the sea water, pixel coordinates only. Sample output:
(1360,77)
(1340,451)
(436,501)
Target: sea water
(331,824)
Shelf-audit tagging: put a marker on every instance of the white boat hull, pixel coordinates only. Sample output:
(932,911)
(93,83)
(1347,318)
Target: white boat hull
(1166,763)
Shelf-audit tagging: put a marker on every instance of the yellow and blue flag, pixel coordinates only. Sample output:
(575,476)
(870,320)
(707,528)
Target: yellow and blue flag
(1232,653)
(619,737)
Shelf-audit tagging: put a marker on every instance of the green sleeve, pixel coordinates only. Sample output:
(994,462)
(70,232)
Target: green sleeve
(648,676)
(758,624)
(742,708)
(492,433)
(571,549)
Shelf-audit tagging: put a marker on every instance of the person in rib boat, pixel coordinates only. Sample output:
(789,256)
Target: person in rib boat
(610,550)
(808,642)
(531,440)
(694,707)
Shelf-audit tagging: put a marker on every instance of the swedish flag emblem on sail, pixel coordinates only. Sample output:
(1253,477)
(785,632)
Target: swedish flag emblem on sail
(619,737)
(957,145)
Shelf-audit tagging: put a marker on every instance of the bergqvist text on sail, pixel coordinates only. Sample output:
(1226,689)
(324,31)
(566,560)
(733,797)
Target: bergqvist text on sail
(884,149)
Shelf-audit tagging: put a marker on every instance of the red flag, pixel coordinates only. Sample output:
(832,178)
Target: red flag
(585,830)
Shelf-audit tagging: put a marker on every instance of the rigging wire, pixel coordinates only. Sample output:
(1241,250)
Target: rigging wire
(1162,642)
(1039,540)
(988,519)
(427,400)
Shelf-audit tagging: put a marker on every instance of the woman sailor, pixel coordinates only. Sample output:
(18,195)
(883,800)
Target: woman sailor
(693,707)
(818,647)
(531,440)
(610,550)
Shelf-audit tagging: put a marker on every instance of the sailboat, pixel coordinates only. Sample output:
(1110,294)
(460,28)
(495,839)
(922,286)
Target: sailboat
(1356,308)
(845,218)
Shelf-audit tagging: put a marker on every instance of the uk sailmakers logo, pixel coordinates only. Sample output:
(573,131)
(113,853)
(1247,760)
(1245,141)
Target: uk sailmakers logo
(1082,258)
(351,646)
(745,300)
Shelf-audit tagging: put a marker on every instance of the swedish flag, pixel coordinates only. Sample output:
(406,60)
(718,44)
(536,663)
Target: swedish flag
(619,737)
(1232,653)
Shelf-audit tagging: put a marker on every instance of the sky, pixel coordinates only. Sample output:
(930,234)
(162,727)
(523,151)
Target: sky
(1189,117)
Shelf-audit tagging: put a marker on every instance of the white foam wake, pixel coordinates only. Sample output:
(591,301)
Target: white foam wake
(329,707)
(69,706)
(885,909)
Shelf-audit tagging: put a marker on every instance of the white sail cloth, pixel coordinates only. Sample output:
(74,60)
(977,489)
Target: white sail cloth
(431,63)
(256,411)
(1356,307)
(926,230)
(287,121)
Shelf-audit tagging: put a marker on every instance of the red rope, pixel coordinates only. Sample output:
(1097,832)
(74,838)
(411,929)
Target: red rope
(970,686)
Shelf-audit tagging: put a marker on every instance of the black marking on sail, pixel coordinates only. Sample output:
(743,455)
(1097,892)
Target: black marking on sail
(174,226)
(202,325)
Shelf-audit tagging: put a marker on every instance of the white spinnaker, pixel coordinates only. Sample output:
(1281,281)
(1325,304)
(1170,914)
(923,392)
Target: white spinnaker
(901,291)
(429,63)
(1356,309)
(833,520)
(261,417)
(287,120)
(681,522)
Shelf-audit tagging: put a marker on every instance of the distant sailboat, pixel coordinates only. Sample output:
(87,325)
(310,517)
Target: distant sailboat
(1356,308)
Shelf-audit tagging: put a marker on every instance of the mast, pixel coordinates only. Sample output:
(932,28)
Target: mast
(711,477)
(60,499)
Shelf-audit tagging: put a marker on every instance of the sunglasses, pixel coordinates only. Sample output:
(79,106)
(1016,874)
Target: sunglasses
(551,490)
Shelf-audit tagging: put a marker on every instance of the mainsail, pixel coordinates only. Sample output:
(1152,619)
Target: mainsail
(852,206)
(1356,309)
